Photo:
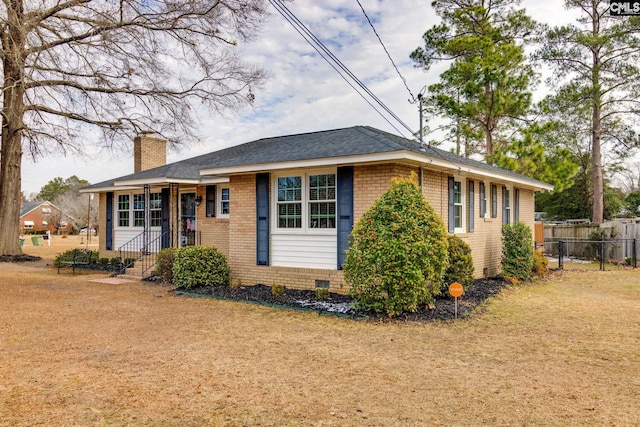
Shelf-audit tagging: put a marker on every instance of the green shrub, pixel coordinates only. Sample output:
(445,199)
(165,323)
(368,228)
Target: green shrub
(200,266)
(164,264)
(115,260)
(322,294)
(64,256)
(68,256)
(594,248)
(517,252)
(540,264)
(460,263)
(277,289)
(103,261)
(397,252)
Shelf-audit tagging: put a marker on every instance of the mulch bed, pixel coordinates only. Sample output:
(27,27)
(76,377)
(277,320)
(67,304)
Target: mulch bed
(340,305)
(19,258)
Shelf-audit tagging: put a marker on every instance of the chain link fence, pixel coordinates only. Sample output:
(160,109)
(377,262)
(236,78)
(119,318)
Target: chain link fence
(583,251)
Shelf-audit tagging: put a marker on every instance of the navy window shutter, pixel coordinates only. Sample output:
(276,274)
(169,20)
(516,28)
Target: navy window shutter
(262,220)
(505,212)
(516,196)
(210,201)
(483,199)
(344,211)
(164,218)
(471,207)
(109,222)
(451,203)
(494,201)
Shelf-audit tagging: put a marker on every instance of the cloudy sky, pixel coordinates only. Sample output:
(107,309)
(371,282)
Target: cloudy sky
(303,93)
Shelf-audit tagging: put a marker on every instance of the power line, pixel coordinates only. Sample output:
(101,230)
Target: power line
(335,63)
(404,81)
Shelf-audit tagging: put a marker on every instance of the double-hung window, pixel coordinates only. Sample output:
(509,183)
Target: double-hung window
(483,200)
(322,201)
(224,202)
(123,210)
(155,209)
(306,201)
(458,208)
(138,210)
(289,202)
(131,210)
(506,200)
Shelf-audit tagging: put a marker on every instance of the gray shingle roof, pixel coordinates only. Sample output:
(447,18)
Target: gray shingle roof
(29,206)
(357,140)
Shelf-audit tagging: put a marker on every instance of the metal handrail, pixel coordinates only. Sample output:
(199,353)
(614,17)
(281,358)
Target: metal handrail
(154,246)
(136,249)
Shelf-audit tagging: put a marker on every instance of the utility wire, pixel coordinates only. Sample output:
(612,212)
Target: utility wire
(335,63)
(404,81)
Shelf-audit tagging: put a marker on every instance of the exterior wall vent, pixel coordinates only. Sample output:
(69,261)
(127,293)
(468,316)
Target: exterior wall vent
(322,284)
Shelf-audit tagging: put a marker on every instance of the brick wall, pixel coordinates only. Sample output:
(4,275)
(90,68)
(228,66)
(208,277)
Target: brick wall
(37,216)
(213,231)
(236,236)
(148,153)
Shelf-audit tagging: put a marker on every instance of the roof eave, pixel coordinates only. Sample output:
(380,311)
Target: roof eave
(399,155)
(136,184)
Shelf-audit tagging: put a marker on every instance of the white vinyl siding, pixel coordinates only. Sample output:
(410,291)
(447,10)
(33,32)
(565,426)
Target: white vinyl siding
(304,251)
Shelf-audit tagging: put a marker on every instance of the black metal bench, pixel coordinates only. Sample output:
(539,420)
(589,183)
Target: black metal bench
(80,257)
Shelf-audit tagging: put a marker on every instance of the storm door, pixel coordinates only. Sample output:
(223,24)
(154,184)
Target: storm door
(188,219)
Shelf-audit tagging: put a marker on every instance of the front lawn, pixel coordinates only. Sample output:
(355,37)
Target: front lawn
(74,352)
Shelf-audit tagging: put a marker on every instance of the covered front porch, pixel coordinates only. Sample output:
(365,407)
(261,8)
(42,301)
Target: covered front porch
(142,220)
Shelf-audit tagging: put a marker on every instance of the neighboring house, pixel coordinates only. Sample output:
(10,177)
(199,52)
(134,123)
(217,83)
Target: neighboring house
(282,209)
(39,216)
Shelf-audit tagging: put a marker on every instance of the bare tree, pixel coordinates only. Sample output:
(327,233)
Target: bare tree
(120,67)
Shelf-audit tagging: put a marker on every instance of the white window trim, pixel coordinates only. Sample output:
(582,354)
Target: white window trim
(116,216)
(463,205)
(219,201)
(305,229)
(487,199)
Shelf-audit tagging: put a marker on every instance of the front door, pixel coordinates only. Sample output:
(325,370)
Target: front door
(188,219)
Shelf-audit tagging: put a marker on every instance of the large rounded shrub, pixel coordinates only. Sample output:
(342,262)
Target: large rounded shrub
(397,252)
(200,266)
(517,252)
(460,263)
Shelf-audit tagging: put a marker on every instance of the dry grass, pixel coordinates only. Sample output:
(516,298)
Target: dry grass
(74,352)
(58,244)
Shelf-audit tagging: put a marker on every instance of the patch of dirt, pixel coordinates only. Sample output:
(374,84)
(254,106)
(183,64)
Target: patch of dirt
(443,309)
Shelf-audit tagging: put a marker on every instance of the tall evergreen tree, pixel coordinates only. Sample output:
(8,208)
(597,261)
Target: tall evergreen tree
(487,84)
(595,63)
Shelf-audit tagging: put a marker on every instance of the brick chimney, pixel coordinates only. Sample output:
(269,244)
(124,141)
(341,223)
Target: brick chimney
(148,152)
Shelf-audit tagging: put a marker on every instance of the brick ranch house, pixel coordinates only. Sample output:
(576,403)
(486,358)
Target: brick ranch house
(39,216)
(282,209)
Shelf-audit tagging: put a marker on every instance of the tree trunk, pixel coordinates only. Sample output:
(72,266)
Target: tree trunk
(12,125)
(596,130)
(488,138)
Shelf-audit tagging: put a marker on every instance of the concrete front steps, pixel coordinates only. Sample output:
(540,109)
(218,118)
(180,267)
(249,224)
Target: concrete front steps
(135,272)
